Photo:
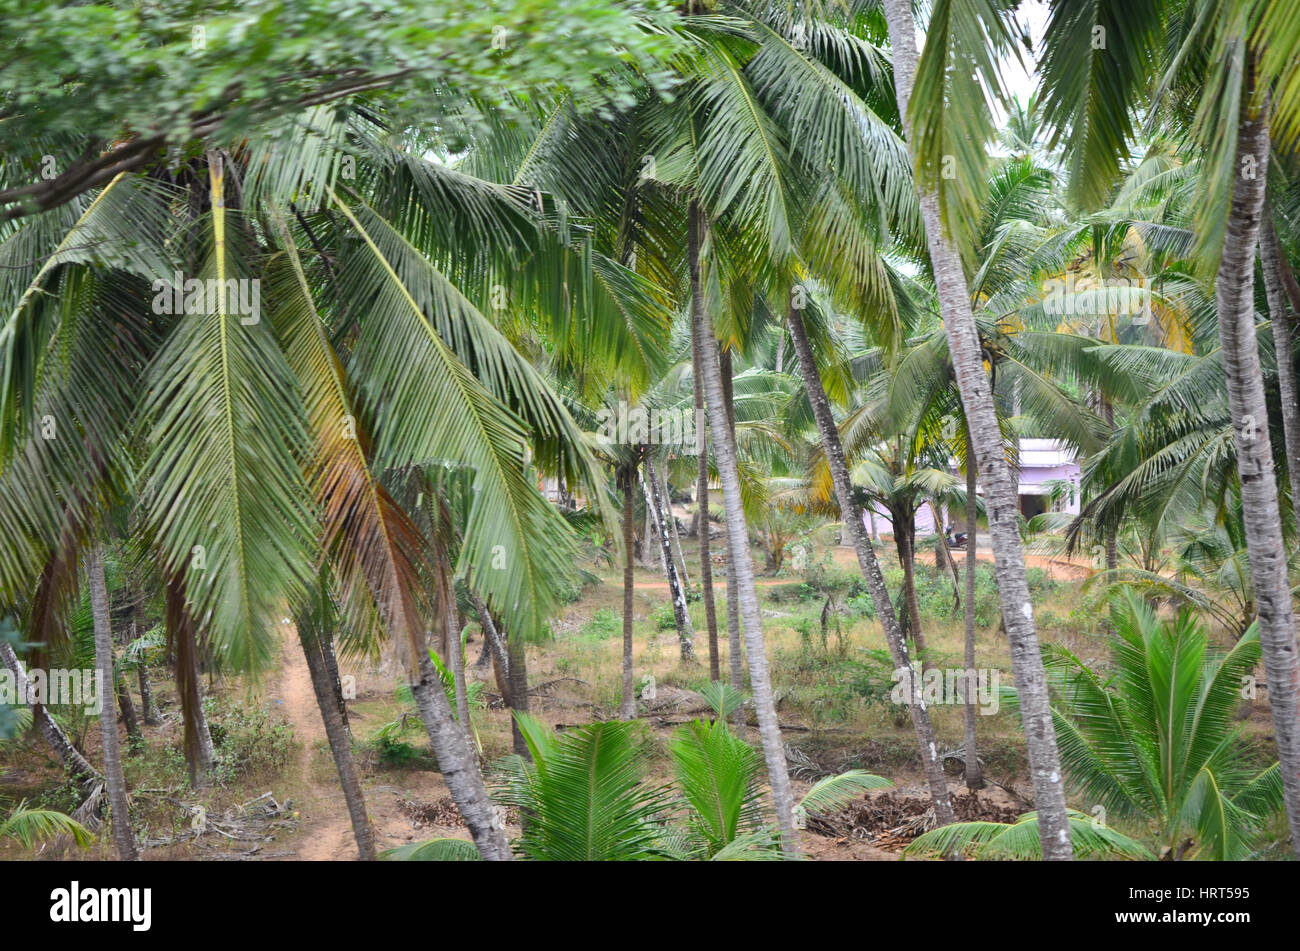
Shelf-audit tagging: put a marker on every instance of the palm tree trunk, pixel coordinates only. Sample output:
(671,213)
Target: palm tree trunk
(1289,283)
(681,613)
(702,511)
(738,553)
(49,730)
(492,639)
(944,559)
(458,764)
(200,756)
(339,739)
(939,514)
(1270,252)
(484,660)
(735,641)
(148,708)
(905,536)
(870,567)
(672,531)
(113,778)
(999,490)
(517,674)
(451,637)
(134,738)
(627,708)
(456,659)
(974,772)
(1235,298)
(332,670)
(650,540)
(1110,532)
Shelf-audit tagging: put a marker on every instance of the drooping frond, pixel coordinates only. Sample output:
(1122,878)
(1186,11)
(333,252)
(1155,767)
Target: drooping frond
(224,492)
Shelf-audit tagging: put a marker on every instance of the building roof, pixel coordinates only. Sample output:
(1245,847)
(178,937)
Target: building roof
(1045,452)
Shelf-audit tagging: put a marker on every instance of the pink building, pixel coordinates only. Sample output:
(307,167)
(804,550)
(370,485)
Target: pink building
(1045,464)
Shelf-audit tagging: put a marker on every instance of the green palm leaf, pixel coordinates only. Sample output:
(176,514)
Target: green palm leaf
(224,492)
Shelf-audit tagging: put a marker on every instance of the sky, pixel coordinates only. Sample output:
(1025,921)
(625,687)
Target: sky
(1019,77)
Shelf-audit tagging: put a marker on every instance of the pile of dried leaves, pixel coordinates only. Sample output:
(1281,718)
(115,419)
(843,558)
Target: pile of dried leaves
(890,820)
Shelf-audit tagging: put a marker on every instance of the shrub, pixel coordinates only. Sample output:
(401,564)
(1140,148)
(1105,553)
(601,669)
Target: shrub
(791,593)
(861,605)
(1040,582)
(248,740)
(663,617)
(396,752)
(604,624)
(873,676)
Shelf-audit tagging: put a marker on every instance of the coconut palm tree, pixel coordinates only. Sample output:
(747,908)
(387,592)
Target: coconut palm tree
(265,440)
(1221,81)
(1153,740)
(947,125)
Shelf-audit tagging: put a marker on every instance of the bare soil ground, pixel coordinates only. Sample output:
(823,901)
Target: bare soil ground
(399,815)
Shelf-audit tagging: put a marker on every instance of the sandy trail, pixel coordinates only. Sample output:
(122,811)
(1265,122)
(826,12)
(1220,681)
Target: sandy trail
(325,828)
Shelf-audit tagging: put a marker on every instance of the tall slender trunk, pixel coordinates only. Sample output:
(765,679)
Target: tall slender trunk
(337,733)
(458,764)
(1112,548)
(944,559)
(999,490)
(456,659)
(851,513)
(738,552)
(48,728)
(455,656)
(200,756)
(1110,531)
(148,707)
(1270,252)
(332,670)
(1289,283)
(905,538)
(134,738)
(494,643)
(113,778)
(702,508)
(681,613)
(484,659)
(1235,298)
(735,641)
(517,673)
(974,772)
(672,530)
(627,476)
(650,540)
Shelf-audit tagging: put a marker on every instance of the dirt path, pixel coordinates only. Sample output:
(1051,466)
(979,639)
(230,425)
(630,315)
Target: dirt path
(325,829)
